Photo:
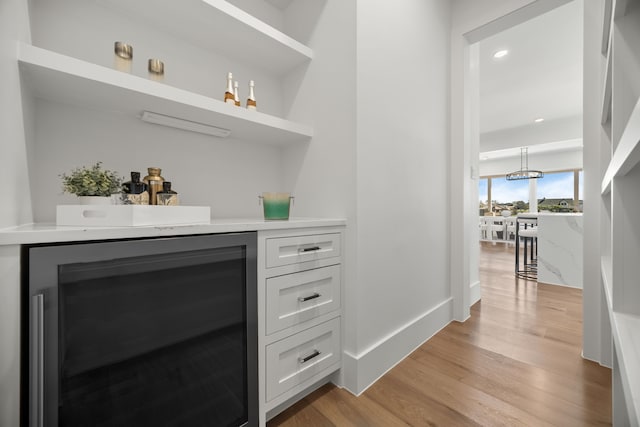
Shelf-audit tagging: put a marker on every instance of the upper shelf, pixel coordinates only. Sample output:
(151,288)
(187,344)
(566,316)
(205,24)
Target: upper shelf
(57,77)
(627,153)
(218,25)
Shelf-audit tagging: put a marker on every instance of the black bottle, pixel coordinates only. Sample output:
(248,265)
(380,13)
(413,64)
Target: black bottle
(135,190)
(167,197)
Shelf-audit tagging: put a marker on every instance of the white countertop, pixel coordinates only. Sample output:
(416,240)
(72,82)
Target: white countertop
(50,233)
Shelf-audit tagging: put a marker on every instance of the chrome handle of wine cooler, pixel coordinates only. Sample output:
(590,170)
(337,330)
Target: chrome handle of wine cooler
(37,393)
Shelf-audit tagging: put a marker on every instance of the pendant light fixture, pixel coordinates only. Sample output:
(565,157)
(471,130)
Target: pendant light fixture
(524,172)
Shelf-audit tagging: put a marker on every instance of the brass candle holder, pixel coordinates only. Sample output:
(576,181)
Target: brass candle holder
(123,56)
(156,69)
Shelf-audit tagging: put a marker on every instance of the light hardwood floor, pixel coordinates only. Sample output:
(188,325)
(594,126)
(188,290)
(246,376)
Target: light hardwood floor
(515,362)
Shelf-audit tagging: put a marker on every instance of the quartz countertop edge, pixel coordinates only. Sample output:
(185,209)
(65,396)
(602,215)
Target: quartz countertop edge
(50,233)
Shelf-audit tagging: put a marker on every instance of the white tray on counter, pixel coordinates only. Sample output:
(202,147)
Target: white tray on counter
(131,215)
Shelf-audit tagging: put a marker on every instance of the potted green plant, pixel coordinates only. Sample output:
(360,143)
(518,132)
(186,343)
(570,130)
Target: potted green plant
(93,184)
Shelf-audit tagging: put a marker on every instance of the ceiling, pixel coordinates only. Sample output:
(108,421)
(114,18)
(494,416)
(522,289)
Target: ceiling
(540,77)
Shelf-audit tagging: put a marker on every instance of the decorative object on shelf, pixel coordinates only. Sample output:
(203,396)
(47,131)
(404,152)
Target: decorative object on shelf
(135,192)
(276,206)
(236,97)
(156,69)
(154,183)
(123,56)
(251,101)
(229,98)
(167,197)
(92,182)
(524,172)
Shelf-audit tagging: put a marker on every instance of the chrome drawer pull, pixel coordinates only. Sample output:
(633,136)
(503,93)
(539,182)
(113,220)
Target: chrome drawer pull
(312,296)
(315,353)
(311,249)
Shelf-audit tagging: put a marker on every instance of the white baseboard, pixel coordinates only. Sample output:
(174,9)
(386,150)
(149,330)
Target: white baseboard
(474,293)
(362,370)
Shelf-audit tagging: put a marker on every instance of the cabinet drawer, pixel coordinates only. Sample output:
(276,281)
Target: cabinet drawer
(298,297)
(299,357)
(291,250)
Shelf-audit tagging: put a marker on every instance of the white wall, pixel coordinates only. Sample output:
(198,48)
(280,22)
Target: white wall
(14,26)
(563,129)
(16,206)
(592,347)
(546,162)
(402,294)
(225,174)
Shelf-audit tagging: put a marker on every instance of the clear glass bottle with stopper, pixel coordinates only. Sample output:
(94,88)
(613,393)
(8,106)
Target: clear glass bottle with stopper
(229,98)
(251,101)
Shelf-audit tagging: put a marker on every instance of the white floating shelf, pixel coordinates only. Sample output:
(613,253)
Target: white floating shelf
(625,329)
(627,153)
(60,78)
(220,26)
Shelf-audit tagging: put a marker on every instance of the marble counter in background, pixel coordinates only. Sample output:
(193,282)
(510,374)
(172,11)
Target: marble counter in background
(560,249)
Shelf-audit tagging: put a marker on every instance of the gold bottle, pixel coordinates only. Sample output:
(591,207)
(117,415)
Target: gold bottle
(154,183)
(251,101)
(229,98)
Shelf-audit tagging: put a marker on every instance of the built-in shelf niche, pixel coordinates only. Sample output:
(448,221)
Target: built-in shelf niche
(219,26)
(50,75)
(620,204)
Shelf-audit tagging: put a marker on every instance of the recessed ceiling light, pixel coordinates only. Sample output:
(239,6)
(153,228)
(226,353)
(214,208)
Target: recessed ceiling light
(501,53)
(538,120)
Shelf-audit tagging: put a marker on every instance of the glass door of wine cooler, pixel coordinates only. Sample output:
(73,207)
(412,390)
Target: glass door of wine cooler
(158,332)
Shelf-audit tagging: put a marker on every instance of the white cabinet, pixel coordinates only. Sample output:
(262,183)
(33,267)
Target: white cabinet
(298,358)
(299,302)
(293,250)
(620,249)
(299,297)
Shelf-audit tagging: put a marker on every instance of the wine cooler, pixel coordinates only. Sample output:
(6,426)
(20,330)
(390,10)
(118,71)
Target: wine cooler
(146,332)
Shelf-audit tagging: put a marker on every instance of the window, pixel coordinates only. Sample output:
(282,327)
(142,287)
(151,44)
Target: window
(557,192)
(483,195)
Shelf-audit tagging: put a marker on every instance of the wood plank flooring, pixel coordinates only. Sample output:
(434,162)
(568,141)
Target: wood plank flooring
(515,362)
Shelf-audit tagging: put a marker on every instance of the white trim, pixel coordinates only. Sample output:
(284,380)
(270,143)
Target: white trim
(474,292)
(364,369)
